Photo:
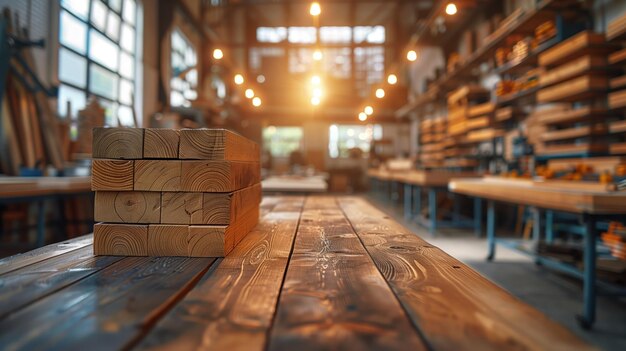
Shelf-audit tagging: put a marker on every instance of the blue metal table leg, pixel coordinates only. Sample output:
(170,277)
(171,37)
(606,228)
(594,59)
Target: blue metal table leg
(478,214)
(432,209)
(41,223)
(549,226)
(417,198)
(455,208)
(491,235)
(536,229)
(589,274)
(407,201)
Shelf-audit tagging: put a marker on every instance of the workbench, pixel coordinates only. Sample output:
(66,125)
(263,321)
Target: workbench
(293,184)
(414,183)
(318,272)
(590,205)
(40,189)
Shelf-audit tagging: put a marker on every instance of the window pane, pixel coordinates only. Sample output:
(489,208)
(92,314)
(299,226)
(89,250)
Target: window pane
(337,62)
(113,26)
(336,34)
(271,34)
(79,8)
(103,82)
(282,141)
(116,5)
(72,68)
(103,51)
(302,35)
(128,38)
(127,65)
(73,33)
(300,60)
(375,34)
(98,15)
(125,115)
(344,138)
(129,11)
(75,96)
(126,92)
(110,112)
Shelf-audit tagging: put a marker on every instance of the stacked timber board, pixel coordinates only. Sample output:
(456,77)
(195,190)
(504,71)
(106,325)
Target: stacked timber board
(576,78)
(617,97)
(432,135)
(165,192)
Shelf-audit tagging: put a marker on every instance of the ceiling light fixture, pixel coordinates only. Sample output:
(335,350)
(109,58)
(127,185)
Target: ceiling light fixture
(451,9)
(239,79)
(218,54)
(411,55)
(362,117)
(368,110)
(380,93)
(256,102)
(392,79)
(249,93)
(315,9)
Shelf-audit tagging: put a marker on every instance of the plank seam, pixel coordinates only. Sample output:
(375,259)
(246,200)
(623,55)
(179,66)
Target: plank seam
(12,269)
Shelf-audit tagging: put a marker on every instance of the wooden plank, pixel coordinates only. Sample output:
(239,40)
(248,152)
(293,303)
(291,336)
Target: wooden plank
(167,240)
(617,99)
(617,57)
(127,207)
(11,157)
(453,305)
(161,143)
(112,175)
(216,144)
(573,69)
(598,164)
(617,148)
(115,306)
(575,89)
(218,176)
(220,208)
(120,239)
(617,82)
(574,133)
(157,175)
(481,109)
(118,143)
(572,115)
(219,241)
(24,286)
(182,208)
(570,148)
(584,42)
(15,262)
(232,308)
(618,126)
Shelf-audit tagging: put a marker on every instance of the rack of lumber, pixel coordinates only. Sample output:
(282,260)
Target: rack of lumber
(432,133)
(428,178)
(616,30)
(165,192)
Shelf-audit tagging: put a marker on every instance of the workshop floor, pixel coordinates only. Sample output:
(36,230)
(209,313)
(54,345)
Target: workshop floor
(558,296)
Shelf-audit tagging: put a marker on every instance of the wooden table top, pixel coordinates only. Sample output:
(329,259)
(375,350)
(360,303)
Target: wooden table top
(419,177)
(298,184)
(319,272)
(547,195)
(11,187)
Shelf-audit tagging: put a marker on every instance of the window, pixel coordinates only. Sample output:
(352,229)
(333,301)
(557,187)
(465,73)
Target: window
(282,141)
(97,56)
(341,35)
(271,34)
(343,138)
(372,35)
(184,81)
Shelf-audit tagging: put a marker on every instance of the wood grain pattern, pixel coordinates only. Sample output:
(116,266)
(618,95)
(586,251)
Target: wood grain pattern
(127,207)
(232,308)
(120,239)
(216,144)
(452,304)
(218,176)
(167,240)
(118,143)
(12,263)
(219,241)
(161,143)
(222,208)
(41,279)
(181,208)
(112,175)
(110,309)
(157,175)
(333,296)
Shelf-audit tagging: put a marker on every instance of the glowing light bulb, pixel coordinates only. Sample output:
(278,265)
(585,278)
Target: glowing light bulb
(218,54)
(451,9)
(392,79)
(249,93)
(256,102)
(317,92)
(315,9)
(411,55)
(362,117)
(317,55)
(315,100)
(368,110)
(380,93)
(316,80)
(239,79)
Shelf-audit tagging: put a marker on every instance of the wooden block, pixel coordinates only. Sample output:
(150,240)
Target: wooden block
(572,69)
(112,175)
(157,175)
(118,143)
(127,207)
(218,176)
(584,42)
(161,143)
(575,89)
(182,208)
(167,240)
(216,144)
(224,208)
(120,239)
(218,241)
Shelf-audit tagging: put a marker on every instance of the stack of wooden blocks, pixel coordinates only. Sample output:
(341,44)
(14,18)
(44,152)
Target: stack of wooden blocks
(165,192)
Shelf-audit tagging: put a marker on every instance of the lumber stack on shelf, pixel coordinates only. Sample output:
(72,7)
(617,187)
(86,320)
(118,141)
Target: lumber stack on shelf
(616,31)
(432,135)
(163,192)
(577,77)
